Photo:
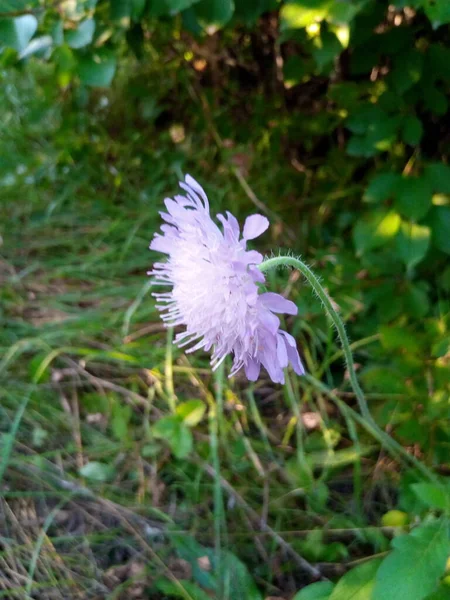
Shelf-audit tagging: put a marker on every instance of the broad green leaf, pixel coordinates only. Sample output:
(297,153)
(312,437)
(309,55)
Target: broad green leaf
(120,10)
(250,10)
(435,100)
(214,13)
(38,46)
(438,11)
(191,412)
(296,14)
(412,243)
(407,70)
(414,197)
(357,584)
(439,221)
(412,130)
(97,70)
(97,471)
(16,33)
(315,591)
(175,433)
(82,36)
(7,6)
(381,187)
(442,593)
(123,11)
(438,175)
(294,70)
(137,8)
(375,230)
(415,300)
(160,8)
(413,569)
(399,338)
(326,47)
(433,495)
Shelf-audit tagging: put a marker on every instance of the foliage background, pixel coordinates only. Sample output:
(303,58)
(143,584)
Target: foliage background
(332,117)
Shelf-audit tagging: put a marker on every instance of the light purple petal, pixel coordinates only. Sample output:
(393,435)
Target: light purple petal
(294,358)
(282,352)
(161,244)
(256,274)
(197,188)
(269,321)
(278,304)
(252,257)
(254,226)
(252,369)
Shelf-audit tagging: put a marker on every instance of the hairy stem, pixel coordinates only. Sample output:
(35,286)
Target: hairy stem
(369,422)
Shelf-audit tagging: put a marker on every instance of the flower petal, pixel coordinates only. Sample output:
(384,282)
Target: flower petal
(292,352)
(254,226)
(278,304)
(252,369)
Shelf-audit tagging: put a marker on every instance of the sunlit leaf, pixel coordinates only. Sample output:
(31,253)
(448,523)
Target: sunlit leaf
(376,229)
(413,568)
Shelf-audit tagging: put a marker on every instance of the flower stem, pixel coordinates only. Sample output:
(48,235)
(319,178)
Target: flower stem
(215,414)
(371,425)
(337,321)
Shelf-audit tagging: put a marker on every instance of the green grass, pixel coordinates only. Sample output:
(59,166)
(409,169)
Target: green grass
(86,372)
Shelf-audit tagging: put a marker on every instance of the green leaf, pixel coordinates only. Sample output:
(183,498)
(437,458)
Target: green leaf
(175,433)
(97,70)
(438,175)
(294,70)
(375,230)
(412,243)
(120,10)
(296,14)
(160,8)
(439,222)
(438,11)
(399,338)
(442,593)
(357,584)
(433,495)
(326,48)
(414,197)
(191,412)
(38,46)
(412,130)
(381,187)
(415,300)
(215,13)
(17,33)
(123,11)
(315,591)
(250,10)
(413,568)
(407,70)
(82,36)
(435,101)
(97,471)
(181,589)
(13,5)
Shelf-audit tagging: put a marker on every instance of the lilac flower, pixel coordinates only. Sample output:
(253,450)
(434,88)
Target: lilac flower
(215,285)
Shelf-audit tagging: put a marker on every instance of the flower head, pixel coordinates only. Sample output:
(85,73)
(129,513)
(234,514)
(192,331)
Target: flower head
(215,285)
